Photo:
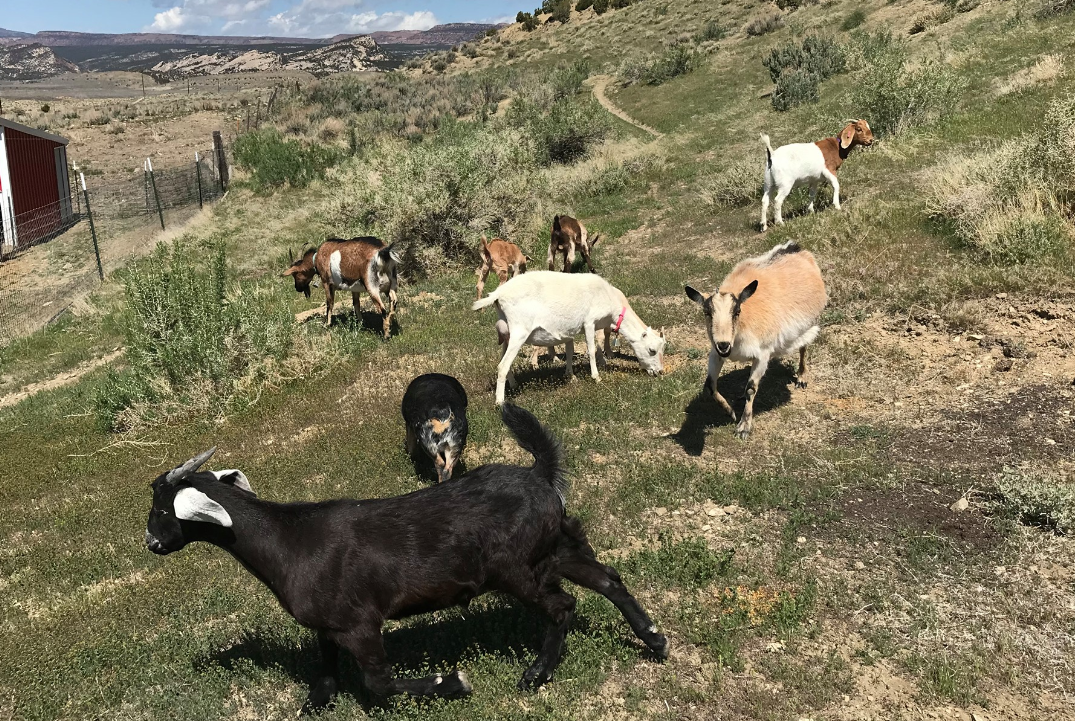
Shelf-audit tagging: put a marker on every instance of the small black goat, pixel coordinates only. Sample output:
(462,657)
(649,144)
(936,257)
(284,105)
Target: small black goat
(435,411)
(345,567)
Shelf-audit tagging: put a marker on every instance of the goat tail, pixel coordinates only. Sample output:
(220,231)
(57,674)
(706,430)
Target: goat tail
(768,150)
(556,223)
(485,302)
(538,441)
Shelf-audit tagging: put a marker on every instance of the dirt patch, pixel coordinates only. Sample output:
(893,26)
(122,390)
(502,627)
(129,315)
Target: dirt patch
(63,379)
(1035,423)
(916,509)
(600,85)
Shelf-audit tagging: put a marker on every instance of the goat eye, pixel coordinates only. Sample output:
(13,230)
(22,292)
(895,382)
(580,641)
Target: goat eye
(653,352)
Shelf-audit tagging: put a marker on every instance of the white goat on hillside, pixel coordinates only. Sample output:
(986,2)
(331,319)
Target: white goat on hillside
(786,296)
(796,164)
(548,309)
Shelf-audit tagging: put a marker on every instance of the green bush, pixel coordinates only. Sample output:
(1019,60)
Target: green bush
(436,196)
(799,68)
(600,6)
(564,132)
(567,80)
(559,11)
(191,345)
(853,20)
(894,98)
(712,30)
(274,161)
(793,88)
(678,59)
(583,4)
(1054,8)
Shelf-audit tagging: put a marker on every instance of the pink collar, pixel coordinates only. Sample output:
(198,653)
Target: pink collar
(619,321)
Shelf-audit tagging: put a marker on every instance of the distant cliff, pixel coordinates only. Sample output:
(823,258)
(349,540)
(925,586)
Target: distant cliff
(31,62)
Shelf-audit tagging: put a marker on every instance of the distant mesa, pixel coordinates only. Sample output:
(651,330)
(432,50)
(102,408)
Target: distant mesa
(32,61)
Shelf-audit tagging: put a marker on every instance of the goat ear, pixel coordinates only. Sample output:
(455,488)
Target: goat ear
(192,505)
(748,291)
(694,295)
(847,135)
(235,477)
(289,271)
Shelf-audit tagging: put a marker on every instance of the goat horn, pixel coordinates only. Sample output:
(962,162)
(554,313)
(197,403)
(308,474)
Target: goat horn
(180,472)
(291,254)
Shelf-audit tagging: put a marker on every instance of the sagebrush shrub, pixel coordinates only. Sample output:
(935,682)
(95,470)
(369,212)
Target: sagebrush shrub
(193,344)
(678,59)
(712,30)
(274,161)
(1039,501)
(854,19)
(567,80)
(563,132)
(737,183)
(1014,204)
(894,98)
(765,24)
(799,68)
(437,196)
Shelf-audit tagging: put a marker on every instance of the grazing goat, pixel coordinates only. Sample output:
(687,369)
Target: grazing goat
(435,411)
(567,233)
(345,567)
(504,258)
(791,166)
(548,309)
(351,265)
(767,307)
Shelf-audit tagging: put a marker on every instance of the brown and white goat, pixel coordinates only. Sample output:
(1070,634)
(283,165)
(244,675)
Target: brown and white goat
(567,235)
(505,259)
(351,265)
(796,164)
(768,306)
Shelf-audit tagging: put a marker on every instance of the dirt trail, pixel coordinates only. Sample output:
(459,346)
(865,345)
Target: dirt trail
(63,379)
(600,84)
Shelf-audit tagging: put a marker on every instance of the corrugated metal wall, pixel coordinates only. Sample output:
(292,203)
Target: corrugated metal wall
(32,162)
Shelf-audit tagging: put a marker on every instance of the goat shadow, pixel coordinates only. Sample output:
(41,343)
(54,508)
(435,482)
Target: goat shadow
(368,320)
(503,628)
(550,371)
(703,413)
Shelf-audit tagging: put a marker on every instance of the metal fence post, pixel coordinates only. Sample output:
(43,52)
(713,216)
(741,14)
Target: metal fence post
(156,196)
(93,230)
(221,160)
(198,172)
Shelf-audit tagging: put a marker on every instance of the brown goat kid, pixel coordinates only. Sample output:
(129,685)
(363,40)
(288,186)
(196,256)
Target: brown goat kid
(351,265)
(505,259)
(567,235)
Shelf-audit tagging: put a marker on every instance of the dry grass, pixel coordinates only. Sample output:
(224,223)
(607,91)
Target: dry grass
(1046,71)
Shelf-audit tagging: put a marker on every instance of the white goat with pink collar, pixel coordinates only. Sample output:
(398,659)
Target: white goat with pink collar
(548,309)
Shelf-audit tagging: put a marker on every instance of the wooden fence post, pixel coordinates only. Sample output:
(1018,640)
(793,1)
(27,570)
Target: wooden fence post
(221,160)
(198,172)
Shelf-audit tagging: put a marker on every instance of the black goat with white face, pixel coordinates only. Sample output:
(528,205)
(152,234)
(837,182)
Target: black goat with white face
(435,411)
(345,567)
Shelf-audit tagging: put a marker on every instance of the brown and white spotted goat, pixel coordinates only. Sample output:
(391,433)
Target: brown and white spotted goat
(505,259)
(567,235)
(351,265)
(768,306)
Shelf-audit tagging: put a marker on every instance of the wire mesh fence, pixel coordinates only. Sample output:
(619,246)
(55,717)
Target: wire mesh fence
(98,231)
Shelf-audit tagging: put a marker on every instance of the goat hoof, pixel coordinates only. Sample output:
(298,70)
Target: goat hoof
(659,646)
(533,680)
(320,698)
(454,685)
(742,433)
(801,383)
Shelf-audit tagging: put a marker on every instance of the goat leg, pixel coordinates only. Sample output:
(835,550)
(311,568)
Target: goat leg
(579,564)
(802,376)
(323,689)
(746,423)
(586,256)
(591,350)
(716,362)
(367,646)
(559,606)
(482,273)
(330,301)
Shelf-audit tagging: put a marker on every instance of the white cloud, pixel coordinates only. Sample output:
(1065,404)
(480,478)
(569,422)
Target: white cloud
(307,18)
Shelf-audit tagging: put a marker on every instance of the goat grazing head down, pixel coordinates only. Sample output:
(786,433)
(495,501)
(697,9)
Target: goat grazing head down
(302,271)
(649,349)
(722,315)
(857,132)
(182,511)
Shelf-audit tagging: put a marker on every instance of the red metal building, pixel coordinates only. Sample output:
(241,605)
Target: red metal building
(35,189)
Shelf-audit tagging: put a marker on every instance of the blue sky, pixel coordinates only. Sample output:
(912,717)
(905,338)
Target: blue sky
(294,18)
